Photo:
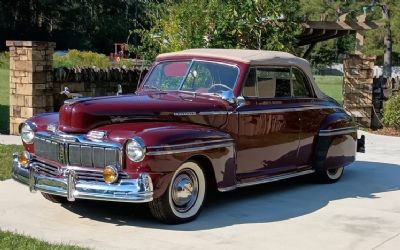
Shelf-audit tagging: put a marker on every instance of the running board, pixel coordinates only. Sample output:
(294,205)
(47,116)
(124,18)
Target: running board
(267,180)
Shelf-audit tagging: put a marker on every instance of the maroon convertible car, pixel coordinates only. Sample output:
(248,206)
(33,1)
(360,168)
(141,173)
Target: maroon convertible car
(201,119)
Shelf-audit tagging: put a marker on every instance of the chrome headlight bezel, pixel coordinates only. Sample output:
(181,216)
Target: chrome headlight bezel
(135,149)
(27,132)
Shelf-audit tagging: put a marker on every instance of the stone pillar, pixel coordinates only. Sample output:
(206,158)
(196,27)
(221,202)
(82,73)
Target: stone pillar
(358,87)
(30,80)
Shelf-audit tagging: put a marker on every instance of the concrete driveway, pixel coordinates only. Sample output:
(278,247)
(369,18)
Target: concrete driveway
(362,211)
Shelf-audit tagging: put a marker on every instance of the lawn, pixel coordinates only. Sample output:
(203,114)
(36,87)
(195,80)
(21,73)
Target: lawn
(9,240)
(4,101)
(6,152)
(331,85)
(13,241)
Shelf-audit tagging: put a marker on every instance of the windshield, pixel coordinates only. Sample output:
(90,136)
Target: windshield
(193,76)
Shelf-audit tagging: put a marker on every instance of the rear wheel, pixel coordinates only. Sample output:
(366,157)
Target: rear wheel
(331,175)
(55,198)
(184,198)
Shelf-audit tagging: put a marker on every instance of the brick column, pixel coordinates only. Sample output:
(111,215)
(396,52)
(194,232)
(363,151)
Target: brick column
(30,80)
(357,87)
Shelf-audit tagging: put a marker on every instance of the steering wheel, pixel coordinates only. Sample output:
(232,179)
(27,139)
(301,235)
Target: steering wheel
(219,85)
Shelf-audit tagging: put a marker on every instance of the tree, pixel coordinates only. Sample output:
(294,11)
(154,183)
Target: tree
(81,24)
(252,24)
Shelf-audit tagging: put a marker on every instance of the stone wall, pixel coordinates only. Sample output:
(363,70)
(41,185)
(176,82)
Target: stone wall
(36,87)
(358,88)
(94,81)
(30,80)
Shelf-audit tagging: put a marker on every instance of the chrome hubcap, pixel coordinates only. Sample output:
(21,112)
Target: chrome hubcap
(185,190)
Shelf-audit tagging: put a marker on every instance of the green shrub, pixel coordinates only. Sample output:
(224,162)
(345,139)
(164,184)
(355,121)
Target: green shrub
(76,58)
(4,60)
(391,112)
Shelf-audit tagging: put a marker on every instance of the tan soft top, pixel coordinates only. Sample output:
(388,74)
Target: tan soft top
(252,57)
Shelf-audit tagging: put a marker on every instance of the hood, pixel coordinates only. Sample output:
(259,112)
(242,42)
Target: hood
(82,115)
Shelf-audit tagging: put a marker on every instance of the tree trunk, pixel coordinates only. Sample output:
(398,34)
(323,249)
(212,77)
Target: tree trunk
(387,57)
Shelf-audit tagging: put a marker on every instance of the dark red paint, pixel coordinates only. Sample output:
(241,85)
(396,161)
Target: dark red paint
(265,144)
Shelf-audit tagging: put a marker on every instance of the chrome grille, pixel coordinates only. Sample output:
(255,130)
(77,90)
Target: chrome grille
(77,154)
(47,170)
(46,148)
(84,175)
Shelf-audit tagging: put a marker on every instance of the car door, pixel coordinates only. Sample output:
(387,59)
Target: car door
(268,124)
(312,112)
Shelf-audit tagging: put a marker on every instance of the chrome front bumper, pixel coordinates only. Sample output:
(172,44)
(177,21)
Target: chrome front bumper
(127,190)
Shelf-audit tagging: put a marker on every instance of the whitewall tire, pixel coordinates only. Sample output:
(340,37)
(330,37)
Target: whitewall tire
(330,175)
(184,198)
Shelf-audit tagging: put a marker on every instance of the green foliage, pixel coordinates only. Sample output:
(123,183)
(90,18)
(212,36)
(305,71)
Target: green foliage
(76,58)
(252,24)
(316,10)
(4,100)
(4,60)
(81,24)
(6,152)
(391,112)
(13,241)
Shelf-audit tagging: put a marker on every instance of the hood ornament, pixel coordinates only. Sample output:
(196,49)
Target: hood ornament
(119,91)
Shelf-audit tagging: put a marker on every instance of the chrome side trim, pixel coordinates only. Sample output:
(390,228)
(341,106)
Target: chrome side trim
(267,180)
(337,131)
(276,178)
(193,149)
(277,110)
(213,113)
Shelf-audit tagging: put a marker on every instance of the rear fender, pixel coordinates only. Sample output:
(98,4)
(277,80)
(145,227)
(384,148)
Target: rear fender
(336,142)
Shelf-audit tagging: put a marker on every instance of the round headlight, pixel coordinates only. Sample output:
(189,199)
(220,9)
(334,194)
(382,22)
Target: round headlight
(135,149)
(27,133)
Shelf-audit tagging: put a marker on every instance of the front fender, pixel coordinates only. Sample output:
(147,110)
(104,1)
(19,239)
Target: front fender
(169,145)
(40,123)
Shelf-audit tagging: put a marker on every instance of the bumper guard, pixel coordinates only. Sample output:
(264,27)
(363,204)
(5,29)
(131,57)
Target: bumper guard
(127,190)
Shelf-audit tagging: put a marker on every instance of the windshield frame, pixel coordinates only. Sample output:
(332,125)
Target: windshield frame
(191,62)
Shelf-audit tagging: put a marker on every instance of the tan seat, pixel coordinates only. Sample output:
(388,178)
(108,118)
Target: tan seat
(267,88)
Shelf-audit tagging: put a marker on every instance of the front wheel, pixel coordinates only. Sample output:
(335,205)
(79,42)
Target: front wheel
(184,198)
(330,175)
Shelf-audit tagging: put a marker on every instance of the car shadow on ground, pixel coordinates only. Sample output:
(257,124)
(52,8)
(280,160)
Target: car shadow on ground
(258,204)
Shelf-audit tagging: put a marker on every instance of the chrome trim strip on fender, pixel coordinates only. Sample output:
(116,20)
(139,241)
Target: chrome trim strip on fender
(188,144)
(337,131)
(277,110)
(267,180)
(185,150)
(213,113)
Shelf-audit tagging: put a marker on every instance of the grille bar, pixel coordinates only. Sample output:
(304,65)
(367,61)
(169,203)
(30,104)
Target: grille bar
(77,154)
(85,175)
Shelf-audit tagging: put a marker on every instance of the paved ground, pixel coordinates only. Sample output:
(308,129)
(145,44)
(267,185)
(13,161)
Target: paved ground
(362,211)
(10,139)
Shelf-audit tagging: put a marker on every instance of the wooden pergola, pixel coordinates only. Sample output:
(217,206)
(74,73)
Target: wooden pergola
(318,31)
